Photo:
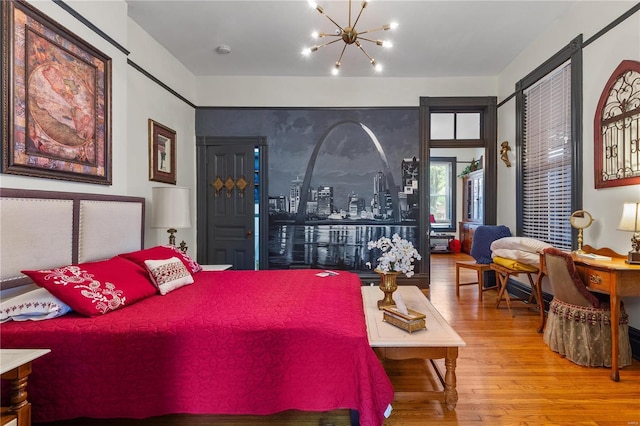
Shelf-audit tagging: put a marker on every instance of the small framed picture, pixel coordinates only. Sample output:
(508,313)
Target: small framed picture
(162,153)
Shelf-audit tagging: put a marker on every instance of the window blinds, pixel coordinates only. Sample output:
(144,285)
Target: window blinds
(547,159)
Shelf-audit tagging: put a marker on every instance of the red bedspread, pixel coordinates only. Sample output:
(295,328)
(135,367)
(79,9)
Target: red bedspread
(234,342)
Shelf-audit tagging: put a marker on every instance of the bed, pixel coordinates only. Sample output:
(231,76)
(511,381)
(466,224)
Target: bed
(231,342)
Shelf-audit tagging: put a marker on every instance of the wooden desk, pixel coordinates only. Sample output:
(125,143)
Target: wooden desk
(15,366)
(614,277)
(438,341)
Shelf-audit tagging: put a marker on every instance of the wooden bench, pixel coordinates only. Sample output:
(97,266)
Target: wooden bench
(480,269)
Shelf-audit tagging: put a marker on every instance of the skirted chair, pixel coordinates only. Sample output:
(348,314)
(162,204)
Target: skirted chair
(579,323)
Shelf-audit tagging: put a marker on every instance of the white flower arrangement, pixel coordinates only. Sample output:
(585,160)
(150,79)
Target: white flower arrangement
(398,255)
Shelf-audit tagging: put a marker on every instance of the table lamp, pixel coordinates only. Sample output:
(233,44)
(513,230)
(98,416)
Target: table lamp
(630,221)
(170,208)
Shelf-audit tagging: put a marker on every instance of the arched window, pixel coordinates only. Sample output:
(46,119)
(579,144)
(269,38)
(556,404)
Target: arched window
(617,129)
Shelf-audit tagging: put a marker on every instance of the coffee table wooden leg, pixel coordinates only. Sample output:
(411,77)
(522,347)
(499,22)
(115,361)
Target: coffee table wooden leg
(450,392)
(19,405)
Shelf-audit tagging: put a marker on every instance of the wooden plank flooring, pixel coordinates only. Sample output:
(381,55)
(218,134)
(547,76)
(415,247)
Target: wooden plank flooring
(506,375)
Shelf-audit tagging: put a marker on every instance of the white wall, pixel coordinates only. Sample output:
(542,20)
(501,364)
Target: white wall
(145,100)
(134,100)
(110,16)
(599,60)
(334,92)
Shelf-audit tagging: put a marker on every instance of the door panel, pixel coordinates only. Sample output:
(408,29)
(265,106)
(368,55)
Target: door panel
(229,205)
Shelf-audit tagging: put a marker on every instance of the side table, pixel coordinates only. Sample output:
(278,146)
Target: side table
(216,267)
(15,366)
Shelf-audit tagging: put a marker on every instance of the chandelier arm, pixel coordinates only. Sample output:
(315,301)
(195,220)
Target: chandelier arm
(373,61)
(368,39)
(359,14)
(373,30)
(326,44)
(323,35)
(341,54)
(334,22)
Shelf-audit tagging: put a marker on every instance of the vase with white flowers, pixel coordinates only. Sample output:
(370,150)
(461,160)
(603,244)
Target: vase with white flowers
(397,258)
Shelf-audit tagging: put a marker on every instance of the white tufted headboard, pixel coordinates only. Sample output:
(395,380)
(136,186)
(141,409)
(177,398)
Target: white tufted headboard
(44,229)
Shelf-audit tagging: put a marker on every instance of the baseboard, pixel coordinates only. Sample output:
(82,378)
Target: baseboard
(517,289)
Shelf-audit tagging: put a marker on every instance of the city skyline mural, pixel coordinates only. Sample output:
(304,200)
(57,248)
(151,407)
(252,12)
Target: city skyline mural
(337,178)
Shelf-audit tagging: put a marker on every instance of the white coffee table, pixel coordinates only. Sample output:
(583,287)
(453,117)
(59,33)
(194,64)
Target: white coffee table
(15,367)
(438,341)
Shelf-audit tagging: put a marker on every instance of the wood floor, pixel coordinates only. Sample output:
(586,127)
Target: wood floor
(506,375)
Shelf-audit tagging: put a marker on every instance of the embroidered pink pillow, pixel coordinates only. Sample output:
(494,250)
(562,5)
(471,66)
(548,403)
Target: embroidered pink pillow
(168,274)
(96,288)
(161,253)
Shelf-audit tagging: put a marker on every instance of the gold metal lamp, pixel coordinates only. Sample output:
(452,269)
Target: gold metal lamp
(349,35)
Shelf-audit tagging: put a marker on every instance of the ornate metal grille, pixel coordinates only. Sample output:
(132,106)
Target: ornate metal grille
(618,127)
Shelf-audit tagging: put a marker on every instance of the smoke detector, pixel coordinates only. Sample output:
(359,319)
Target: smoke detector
(223,49)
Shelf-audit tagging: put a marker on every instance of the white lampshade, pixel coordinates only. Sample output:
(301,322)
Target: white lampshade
(170,207)
(630,220)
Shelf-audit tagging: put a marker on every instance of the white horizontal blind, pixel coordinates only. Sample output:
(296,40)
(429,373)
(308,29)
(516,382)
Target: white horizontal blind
(547,159)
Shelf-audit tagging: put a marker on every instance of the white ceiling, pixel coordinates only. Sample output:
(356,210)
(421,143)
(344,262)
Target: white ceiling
(266,37)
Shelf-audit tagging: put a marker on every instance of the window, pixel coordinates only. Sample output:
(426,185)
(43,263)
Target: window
(442,193)
(455,125)
(549,175)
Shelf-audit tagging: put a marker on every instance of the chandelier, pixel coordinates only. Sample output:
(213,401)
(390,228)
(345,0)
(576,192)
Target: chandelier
(349,36)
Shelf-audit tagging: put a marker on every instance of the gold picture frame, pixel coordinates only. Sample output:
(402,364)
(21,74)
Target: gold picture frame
(162,153)
(56,100)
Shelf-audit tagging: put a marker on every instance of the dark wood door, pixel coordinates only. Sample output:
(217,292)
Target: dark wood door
(226,203)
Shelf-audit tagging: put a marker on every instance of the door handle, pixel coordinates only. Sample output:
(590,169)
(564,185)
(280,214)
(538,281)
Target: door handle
(249,234)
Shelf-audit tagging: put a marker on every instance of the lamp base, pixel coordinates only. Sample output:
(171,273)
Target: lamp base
(172,236)
(634,258)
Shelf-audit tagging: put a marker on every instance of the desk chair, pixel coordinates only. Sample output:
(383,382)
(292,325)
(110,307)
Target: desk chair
(579,323)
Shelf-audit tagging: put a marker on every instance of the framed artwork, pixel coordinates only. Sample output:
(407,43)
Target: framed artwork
(162,153)
(616,129)
(56,100)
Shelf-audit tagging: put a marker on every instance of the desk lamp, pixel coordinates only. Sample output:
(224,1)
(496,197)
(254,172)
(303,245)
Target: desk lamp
(630,221)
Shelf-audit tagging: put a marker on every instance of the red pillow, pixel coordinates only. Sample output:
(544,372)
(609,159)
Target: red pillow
(96,288)
(162,253)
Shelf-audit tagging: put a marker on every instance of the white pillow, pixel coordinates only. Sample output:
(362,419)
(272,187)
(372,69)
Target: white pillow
(168,274)
(30,302)
(517,255)
(520,243)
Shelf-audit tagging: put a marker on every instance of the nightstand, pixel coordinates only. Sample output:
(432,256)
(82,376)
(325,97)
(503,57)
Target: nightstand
(216,267)
(15,366)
